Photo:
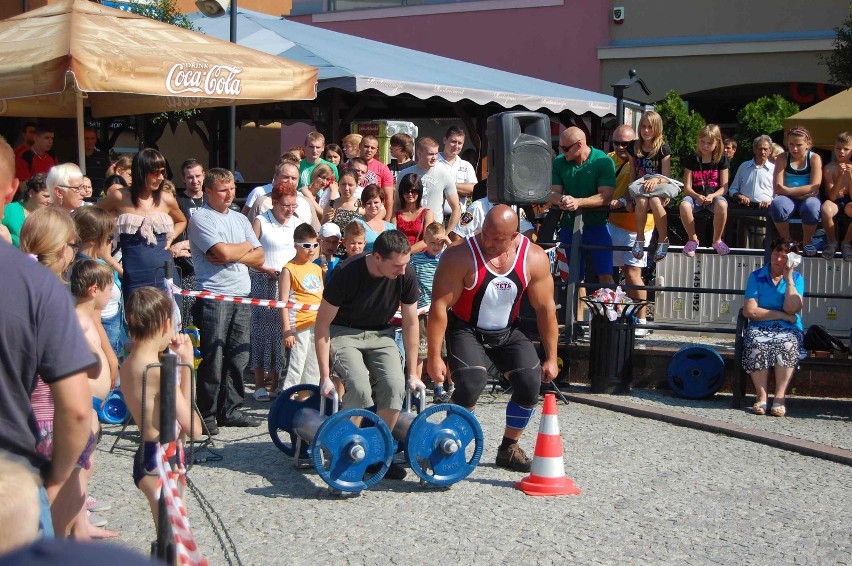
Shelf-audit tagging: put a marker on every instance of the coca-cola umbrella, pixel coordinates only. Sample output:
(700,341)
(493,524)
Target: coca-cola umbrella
(56,59)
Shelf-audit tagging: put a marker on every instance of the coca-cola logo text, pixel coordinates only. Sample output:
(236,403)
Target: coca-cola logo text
(215,80)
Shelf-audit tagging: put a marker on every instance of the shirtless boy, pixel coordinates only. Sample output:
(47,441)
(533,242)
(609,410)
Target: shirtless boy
(91,285)
(149,312)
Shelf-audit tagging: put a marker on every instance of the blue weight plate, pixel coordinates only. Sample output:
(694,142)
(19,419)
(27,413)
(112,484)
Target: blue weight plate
(114,410)
(336,435)
(281,416)
(696,372)
(425,437)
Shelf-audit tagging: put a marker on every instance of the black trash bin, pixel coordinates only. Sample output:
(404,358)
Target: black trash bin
(611,348)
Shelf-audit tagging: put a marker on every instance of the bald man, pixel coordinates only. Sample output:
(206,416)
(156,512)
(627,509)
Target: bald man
(476,296)
(584,177)
(40,336)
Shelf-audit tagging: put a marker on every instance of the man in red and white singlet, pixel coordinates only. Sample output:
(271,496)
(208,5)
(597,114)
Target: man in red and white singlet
(476,296)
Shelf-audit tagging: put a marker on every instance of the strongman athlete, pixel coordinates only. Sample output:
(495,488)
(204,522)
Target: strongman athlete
(476,296)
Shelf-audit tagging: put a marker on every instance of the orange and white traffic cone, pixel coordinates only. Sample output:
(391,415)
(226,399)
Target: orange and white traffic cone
(547,474)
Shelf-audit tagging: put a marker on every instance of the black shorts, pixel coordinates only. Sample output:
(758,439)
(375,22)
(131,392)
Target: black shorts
(509,350)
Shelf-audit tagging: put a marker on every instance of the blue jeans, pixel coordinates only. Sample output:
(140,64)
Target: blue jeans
(45,522)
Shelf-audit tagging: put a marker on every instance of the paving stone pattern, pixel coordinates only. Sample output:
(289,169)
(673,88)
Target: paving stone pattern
(653,493)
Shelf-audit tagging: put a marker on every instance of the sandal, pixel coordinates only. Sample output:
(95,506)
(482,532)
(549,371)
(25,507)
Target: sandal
(778,410)
(829,250)
(810,250)
(261,394)
(846,250)
(638,249)
(662,251)
(759,408)
(721,248)
(689,248)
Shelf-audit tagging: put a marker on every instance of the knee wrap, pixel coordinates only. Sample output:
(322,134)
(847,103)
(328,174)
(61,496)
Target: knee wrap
(469,382)
(518,417)
(526,383)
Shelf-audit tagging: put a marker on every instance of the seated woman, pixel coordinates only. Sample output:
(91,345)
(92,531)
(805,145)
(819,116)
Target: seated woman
(797,178)
(773,340)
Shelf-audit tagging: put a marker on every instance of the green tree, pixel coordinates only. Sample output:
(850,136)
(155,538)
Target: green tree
(680,128)
(839,62)
(165,11)
(762,116)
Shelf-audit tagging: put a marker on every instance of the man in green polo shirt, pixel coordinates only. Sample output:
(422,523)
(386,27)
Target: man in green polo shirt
(584,177)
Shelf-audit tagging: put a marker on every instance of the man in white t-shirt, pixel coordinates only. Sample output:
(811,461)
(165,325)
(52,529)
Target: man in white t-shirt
(438,183)
(262,190)
(463,172)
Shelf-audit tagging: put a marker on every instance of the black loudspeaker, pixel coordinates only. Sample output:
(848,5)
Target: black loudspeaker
(519,158)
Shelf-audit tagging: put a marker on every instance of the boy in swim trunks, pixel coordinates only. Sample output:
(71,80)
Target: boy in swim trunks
(149,312)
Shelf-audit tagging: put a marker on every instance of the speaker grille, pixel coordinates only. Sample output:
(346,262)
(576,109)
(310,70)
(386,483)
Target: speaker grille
(529,175)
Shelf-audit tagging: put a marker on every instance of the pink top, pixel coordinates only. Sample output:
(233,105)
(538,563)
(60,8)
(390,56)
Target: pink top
(377,174)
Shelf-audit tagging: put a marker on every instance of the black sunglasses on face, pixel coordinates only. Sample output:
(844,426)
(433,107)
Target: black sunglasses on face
(620,143)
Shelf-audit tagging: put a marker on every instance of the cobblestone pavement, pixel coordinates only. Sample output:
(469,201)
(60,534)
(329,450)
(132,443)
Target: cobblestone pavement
(653,493)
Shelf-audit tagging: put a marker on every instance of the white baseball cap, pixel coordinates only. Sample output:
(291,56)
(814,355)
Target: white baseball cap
(330,230)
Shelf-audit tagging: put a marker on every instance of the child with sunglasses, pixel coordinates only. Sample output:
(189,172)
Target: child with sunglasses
(301,282)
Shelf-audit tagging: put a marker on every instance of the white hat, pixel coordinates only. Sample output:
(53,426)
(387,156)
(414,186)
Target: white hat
(330,230)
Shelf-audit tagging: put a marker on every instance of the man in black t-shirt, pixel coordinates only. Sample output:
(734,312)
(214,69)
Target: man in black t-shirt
(353,333)
(189,201)
(97,161)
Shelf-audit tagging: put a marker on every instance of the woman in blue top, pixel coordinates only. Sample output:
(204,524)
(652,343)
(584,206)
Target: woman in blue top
(773,303)
(373,219)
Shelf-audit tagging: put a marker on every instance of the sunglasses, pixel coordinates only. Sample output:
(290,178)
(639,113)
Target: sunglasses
(160,171)
(308,245)
(567,148)
(411,192)
(620,143)
(75,246)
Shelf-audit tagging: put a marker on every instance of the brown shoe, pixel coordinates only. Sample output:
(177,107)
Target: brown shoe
(513,458)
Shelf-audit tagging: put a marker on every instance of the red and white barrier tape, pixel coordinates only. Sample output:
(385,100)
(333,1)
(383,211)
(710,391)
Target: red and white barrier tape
(270,303)
(187,552)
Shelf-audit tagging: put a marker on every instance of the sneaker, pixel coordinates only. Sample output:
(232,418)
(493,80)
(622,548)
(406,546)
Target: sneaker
(513,458)
(261,394)
(640,332)
(451,390)
(95,520)
(439,398)
(93,504)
